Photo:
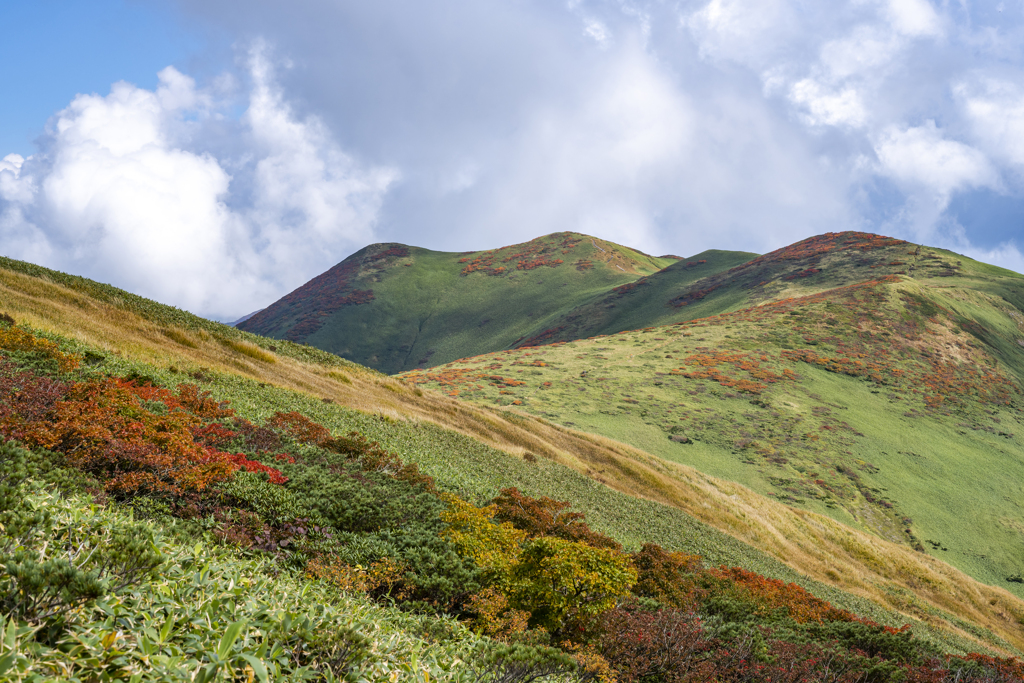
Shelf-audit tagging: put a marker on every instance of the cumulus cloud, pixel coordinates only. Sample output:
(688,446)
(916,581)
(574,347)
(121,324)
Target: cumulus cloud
(995,111)
(921,157)
(913,17)
(127,191)
(752,32)
(829,108)
(674,127)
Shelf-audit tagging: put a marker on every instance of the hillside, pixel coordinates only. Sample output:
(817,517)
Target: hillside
(715,282)
(301,403)
(892,405)
(393,307)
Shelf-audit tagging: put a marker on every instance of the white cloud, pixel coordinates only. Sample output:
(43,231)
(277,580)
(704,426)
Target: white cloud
(921,158)
(302,172)
(594,29)
(594,163)
(863,50)
(842,108)
(13,187)
(995,110)
(916,18)
(745,31)
(126,193)
(634,160)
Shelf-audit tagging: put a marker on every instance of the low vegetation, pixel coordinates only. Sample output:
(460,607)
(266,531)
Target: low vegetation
(414,507)
(393,307)
(155,534)
(887,404)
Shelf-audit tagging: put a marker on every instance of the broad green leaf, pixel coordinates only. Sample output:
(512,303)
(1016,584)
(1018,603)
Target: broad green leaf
(257,666)
(229,638)
(7,661)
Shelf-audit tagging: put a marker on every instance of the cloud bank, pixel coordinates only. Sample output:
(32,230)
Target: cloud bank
(161,194)
(673,127)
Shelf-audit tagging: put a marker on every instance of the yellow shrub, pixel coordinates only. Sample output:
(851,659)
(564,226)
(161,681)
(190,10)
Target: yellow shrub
(15,339)
(474,532)
(383,577)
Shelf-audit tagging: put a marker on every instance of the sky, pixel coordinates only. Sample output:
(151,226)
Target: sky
(214,155)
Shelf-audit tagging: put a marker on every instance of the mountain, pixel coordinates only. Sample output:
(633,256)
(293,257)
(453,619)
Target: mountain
(716,281)
(242,319)
(860,377)
(259,509)
(393,307)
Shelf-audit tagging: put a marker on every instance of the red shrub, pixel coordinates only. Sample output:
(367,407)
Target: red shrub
(114,429)
(299,427)
(666,645)
(240,460)
(547,517)
(668,577)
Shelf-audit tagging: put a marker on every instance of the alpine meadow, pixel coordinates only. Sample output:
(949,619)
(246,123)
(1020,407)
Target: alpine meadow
(563,460)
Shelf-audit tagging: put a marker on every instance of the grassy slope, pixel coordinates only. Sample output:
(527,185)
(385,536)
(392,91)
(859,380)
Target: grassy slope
(167,627)
(730,281)
(872,454)
(424,311)
(125,335)
(644,302)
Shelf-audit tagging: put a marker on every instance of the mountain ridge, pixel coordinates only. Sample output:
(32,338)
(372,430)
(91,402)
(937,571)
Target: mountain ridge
(394,307)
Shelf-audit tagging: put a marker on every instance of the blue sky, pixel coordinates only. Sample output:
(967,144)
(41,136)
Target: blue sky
(64,47)
(214,154)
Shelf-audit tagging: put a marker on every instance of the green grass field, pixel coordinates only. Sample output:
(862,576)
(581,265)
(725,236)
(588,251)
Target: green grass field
(916,451)
(634,387)
(429,307)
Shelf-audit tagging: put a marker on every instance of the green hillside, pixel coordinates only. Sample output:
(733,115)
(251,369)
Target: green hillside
(203,504)
(394,308)
(718,281)
(890,401)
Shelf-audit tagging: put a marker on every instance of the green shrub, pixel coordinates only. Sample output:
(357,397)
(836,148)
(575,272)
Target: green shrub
(557,579)
(51,564)
(353,500)
(274,504)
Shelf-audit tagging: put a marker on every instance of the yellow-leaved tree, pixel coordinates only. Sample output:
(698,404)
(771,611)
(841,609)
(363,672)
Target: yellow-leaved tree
(556,579)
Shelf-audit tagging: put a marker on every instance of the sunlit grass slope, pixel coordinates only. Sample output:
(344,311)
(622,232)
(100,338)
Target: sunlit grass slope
(719,281)
(394,307)
(623,490)
(892,405)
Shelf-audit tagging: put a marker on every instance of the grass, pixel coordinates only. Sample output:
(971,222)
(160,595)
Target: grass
(623,490)
(172,626)
(925,457)
(425,308)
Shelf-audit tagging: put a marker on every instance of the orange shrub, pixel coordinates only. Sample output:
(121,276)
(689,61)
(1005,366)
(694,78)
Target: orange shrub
(16,339)
(134,438)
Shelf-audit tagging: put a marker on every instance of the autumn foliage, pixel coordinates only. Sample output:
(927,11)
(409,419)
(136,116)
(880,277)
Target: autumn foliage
(134,438)
(13,338)
(519,569)
(308,306)
(529,256)
(547,517)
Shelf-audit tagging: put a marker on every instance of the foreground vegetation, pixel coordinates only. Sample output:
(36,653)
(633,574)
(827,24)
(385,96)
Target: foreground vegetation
(154,533)
(452,441)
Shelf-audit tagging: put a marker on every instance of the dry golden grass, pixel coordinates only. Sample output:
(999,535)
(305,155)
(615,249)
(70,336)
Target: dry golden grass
(819,547)
(252,351)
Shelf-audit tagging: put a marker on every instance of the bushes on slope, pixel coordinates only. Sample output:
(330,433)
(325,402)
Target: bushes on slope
(356,518)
